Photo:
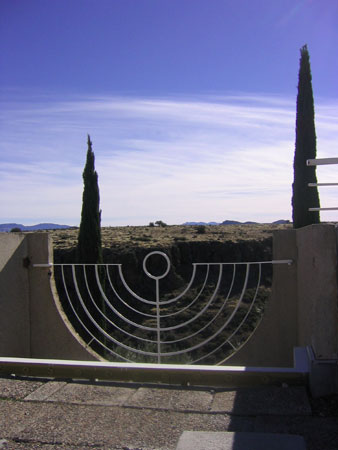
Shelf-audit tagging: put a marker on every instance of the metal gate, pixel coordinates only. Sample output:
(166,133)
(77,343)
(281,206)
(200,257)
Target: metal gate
(204,322)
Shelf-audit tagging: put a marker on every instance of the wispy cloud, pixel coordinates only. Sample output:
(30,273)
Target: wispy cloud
(174,159)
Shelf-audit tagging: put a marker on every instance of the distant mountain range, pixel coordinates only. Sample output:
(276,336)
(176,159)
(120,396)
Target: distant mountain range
(5,227)
(234,222)
(41,226)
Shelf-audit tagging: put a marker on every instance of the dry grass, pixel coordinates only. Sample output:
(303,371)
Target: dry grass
(150,237)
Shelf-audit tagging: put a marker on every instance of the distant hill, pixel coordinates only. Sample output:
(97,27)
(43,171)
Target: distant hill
(41,226)
(235,222)
(201,223)
(281,222)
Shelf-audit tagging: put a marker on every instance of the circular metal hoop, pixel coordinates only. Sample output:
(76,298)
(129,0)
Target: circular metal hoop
(154,277)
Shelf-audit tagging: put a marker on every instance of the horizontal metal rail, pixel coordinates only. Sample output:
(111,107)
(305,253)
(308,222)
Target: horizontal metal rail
(321,161)
(170,374)
(45,265)
(324,209)
(276,261)
(322,184)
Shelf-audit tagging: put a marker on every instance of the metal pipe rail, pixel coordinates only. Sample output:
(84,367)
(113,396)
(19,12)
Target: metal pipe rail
(276,261)
(167,374)
(321,161)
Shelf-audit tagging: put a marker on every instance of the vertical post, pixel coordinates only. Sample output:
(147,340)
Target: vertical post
(157,278)
(158,325)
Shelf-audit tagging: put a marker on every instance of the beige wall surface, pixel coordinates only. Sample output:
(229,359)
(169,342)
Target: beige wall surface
(31,322)
(50,336)
(303,308)
(14,296)
(317,289)
(274,339)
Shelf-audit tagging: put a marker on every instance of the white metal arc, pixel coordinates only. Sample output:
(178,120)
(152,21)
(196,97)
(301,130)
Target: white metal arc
(99,332)
(175,327)
(195,347)
(97,325)
(104,316)
(189,321)
(223,305)
(123,301)
(81,322)
(228,339)
(120,315)
(180,311)
(149,302)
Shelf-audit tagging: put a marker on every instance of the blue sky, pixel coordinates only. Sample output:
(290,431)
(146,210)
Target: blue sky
(190,105)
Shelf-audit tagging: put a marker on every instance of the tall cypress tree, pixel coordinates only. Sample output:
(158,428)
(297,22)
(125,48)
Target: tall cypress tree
(89,249)
(304,197)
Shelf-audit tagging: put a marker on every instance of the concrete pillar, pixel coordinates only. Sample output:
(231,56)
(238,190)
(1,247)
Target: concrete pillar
(14,296)
(50,335)
(32,323)
(273,342)
(318,290)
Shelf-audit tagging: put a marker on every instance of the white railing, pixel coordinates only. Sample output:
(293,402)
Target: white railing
(210,319)
(322,162)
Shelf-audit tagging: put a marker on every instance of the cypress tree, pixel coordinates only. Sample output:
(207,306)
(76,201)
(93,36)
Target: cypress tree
(304,197)
(89,249)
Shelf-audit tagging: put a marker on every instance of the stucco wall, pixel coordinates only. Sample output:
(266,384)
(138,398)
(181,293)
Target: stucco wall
(317,291)
(273,342)
(303,308)
(14,296)
(31,322)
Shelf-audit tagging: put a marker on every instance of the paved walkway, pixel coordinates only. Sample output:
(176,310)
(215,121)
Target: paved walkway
(77,415)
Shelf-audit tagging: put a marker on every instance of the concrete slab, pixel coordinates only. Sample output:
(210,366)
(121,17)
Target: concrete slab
(263,401)
(18,389)
(91,394)
(45,391)
(16,416)
(201,440)
(172,399)
(8,444)
(109,427)
(70,415)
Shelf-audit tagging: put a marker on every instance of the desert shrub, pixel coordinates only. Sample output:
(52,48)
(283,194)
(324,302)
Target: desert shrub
(201,229)
(159,223)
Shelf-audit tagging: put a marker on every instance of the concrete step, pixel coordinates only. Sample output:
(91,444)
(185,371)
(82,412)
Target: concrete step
(203,440)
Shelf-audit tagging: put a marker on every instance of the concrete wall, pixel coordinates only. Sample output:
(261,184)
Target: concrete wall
(31,321)
(317,290)
(303,309)
(273,342)
(14,296)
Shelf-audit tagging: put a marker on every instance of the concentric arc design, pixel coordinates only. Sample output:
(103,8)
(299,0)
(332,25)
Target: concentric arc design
(210,319)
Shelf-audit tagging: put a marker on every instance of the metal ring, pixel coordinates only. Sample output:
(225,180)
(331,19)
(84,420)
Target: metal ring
(159,277)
